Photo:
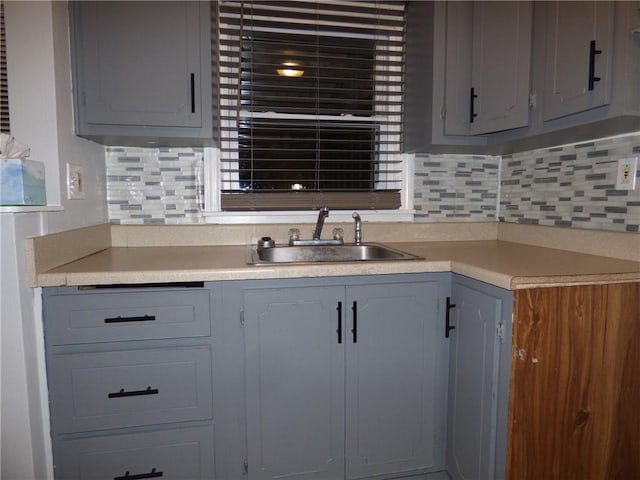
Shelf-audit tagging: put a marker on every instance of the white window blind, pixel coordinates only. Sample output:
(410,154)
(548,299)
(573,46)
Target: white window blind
(310,98)
(5,126)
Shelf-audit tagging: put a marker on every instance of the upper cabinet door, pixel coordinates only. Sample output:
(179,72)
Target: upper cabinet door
(141,63)
(578,57)
(500,66)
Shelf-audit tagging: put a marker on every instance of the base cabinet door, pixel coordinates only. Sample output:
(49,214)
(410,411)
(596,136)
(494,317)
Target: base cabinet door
(479,323)
(344,381)
(395,354)
(294,383)
(575,391)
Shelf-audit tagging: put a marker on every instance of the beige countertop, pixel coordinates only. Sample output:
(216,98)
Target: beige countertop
(505,264)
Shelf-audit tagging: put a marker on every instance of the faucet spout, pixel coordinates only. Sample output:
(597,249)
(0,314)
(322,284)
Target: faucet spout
(358,232)
(322,214)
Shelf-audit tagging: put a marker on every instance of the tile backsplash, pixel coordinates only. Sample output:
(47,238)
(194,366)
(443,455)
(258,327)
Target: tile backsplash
(153,185)
(570,186)
(456,188)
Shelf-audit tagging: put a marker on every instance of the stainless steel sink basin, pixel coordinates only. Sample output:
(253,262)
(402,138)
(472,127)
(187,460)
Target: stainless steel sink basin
(326,253)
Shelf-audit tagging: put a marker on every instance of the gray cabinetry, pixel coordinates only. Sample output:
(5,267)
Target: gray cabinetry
(479,359)
(579,57)
(395,373)
(542,74)
(142,71)
(130,381)
(295,383)
(174,454)
(467,73)
(344,378)
(501,59)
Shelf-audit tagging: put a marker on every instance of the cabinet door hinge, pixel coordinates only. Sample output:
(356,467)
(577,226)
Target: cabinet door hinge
(500,332)
(242,318)
(245,467)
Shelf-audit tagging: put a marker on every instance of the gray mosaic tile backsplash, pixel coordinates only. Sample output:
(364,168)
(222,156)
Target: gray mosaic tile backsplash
(569,186)
(153,185)
(456,188)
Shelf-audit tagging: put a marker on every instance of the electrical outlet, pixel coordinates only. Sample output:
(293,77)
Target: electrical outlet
(75,182)
(626,177)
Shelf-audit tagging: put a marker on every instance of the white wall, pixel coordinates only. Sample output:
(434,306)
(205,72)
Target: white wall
(24,441)
(40,104)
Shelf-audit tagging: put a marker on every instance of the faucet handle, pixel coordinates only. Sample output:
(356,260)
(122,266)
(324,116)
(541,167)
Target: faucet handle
(294,234)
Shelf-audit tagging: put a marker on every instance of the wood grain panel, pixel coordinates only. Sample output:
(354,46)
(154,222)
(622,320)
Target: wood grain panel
(575,394)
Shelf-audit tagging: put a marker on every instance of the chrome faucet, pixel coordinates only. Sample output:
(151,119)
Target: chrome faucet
(322,214)
(358,234)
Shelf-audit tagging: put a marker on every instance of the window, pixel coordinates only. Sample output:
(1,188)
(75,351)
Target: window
(310,104)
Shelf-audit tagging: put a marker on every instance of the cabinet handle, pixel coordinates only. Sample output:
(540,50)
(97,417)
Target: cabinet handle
(472,98)
(339,330)
(136,476)
(592,64)
(119,319)
(447,320)
(193,93)
(134,393)
(355,322)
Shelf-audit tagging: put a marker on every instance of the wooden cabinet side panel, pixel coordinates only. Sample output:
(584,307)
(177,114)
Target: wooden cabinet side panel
(574,392)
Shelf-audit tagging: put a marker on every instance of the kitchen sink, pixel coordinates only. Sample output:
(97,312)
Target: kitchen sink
(366,252)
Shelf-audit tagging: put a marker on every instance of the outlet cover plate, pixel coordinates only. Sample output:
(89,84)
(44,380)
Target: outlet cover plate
(626,173)
(75,182)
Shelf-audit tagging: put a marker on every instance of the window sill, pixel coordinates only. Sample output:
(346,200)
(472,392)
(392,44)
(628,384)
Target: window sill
(31,208)
(335,216)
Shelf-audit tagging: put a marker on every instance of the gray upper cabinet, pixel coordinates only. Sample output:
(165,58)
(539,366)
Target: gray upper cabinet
(501,59)
(467,73)
(501,77)
(142,71)
(579,57)
(438,78)
(479,354)
(344,378)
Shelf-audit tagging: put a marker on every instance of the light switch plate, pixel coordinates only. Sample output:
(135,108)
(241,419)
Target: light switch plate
(75,182)
(626,174)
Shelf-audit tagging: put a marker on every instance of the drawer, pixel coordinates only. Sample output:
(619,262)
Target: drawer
(140,315)
(169,454)
(94,391)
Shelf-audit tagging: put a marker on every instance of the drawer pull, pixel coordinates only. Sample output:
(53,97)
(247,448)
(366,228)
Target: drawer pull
(134,393)
(119,319)
(136,476)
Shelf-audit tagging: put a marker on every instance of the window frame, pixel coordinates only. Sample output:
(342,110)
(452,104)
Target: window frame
(216,174)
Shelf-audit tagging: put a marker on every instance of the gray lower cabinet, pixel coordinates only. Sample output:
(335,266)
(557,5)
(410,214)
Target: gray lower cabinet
(317,378)
(479,331)
(178,454)
(130,381)
(344,379)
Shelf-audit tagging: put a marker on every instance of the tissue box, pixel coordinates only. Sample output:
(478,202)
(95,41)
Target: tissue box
(22,182)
